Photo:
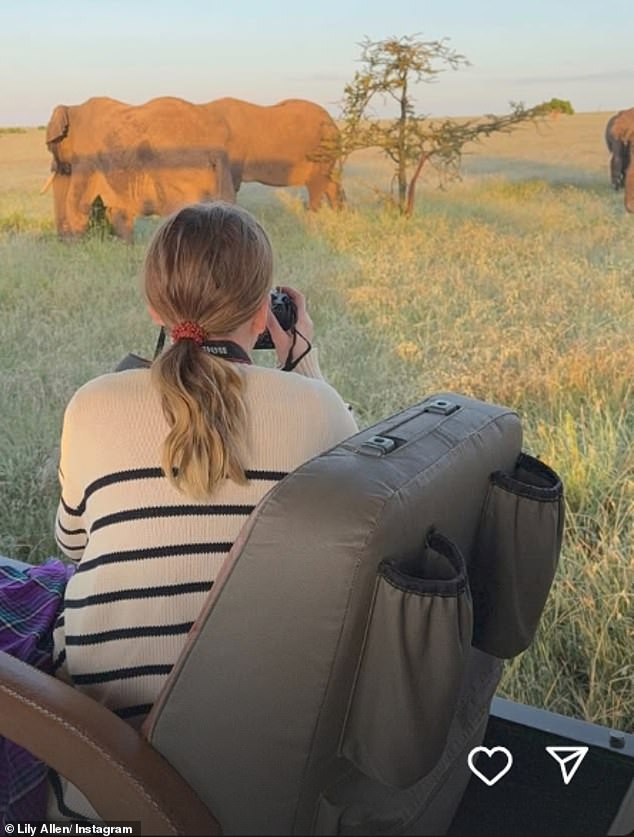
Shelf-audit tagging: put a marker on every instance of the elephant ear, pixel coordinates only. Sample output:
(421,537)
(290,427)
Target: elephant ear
(57,127)
(623,126)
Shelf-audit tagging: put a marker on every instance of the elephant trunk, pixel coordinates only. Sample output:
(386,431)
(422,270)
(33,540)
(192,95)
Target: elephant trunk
(61,185)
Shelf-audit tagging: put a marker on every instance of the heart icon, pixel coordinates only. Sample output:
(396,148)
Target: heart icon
(489,753)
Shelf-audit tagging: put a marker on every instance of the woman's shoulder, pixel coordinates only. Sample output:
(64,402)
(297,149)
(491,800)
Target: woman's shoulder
(106,391)
(267,379)
(294,415)
(274,385)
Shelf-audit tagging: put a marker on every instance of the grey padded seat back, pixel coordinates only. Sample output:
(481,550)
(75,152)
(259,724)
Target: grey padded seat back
(296,706)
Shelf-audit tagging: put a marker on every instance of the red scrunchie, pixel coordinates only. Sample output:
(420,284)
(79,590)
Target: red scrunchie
(188,330)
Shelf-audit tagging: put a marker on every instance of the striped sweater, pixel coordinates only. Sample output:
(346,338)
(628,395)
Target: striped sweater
(147,554)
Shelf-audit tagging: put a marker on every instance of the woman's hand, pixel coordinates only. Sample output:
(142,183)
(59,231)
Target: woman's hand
(283,340)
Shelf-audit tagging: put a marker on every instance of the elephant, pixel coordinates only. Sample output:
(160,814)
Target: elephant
(292,143)
(620,151)
(140,159)
(622,131)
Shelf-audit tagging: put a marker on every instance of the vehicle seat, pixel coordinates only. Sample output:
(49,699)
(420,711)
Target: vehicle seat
(346,658)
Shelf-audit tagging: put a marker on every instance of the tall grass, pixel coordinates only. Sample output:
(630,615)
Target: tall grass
(515,286)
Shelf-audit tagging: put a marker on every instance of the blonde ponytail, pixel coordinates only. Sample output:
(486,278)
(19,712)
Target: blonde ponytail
(211,264)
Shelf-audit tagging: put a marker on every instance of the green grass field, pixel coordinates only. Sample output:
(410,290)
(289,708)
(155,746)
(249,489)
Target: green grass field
(514,285)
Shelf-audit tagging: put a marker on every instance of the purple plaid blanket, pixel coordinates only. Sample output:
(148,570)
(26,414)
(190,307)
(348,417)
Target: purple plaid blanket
(30,600)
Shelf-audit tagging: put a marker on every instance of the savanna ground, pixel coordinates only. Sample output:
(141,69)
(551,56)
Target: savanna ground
(514,286)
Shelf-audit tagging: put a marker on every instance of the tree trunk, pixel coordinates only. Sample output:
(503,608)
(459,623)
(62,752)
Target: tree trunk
(412,185)
(402,187)
(402,151)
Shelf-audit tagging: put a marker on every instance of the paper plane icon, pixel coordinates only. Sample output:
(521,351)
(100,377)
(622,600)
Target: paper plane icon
(569,759)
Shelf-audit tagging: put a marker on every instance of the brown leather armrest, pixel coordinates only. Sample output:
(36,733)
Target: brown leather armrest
(112,765)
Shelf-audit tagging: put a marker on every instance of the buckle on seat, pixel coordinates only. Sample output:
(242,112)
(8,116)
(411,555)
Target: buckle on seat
(377,446)
(441,406)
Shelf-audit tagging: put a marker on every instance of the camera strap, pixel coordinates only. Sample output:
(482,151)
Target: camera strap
(159,343)
(227,350)
(289,364)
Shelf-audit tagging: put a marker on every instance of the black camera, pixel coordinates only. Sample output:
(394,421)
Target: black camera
(285,313)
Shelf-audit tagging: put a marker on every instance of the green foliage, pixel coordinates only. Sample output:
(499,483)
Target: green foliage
(98,222)
(556,106)
(19,222)
(15,130)
(391,68)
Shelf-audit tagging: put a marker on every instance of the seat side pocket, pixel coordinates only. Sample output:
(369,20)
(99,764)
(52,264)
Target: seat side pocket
(408,680)
(516,555)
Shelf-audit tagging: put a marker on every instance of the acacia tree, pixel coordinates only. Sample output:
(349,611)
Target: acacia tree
(391,69)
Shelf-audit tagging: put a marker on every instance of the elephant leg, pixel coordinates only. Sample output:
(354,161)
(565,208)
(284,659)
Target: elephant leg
(629,187)
(74,224)
(225,187)
(616,167)
(335,195)
(237,170)
(75,218)
(317,186)
(78,229)
(122,223)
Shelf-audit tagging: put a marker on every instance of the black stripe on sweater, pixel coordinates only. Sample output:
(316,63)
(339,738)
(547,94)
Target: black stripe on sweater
(68,548)
(149,473)
(128,633)
(152,512)
(59,798)
(59,661)
(112,479)
(121,674)
(154,552)
(271,476)
(70,531)
(140,593)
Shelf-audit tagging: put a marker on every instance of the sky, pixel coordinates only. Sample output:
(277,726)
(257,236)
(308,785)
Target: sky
(65,51)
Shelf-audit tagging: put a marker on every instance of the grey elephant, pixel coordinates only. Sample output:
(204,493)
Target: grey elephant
(619,150)
(140,159)
(292,143)
(623,131)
